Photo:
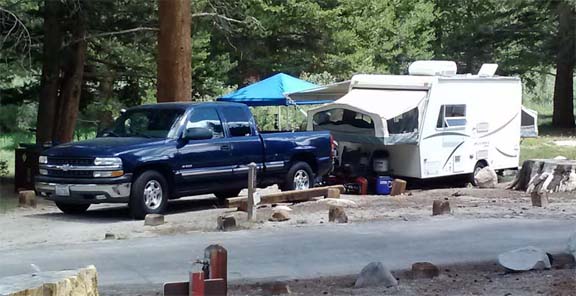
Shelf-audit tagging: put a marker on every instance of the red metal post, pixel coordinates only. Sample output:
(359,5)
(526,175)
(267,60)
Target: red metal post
(196,284)
(218,258)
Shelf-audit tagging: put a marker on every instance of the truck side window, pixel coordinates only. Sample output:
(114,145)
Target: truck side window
(238,121)
(206,118)
(451,116)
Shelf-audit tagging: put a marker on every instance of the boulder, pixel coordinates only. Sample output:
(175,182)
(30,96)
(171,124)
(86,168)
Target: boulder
(52,283)
(375,274)
(280,215)
(424,270)
(524,259)
(337,214)
(440,207)
(154,220)
(486,178)
(226,223)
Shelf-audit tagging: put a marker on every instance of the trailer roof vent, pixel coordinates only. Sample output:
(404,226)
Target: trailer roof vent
(432,68)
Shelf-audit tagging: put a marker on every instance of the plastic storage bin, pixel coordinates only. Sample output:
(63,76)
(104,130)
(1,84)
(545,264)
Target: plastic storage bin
(383,185)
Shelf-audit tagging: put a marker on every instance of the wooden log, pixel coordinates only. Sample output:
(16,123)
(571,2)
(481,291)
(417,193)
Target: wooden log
(539,199)
(286,196)
(27,198)
(398,187)
(546,175)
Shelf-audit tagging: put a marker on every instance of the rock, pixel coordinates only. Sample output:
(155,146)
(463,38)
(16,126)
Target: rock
(333,193)
(52,283)
(27,198)
(226,223)
(486,178)
(109,236)
(424,270)
(539,199)
(154,220)
(275,288)
(339,202)
(280,215)
(337,214)
(375,274)
(441,207)
(562,261)
(282,208)
(524,259)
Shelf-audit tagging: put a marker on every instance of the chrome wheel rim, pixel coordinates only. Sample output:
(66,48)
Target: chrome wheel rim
(153,194)
(301,180)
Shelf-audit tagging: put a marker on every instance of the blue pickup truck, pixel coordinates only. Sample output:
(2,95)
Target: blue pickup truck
(158,152)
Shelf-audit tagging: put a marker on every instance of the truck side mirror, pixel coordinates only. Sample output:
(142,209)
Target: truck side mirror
(197,133)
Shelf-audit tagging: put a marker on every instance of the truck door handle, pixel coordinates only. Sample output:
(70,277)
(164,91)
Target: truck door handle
(225,148)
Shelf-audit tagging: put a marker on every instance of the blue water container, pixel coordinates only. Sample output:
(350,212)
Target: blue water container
(383,185)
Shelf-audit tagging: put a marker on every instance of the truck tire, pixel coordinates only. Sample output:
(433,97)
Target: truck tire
(72,209)
(227,194)
(299,177)
(149,194)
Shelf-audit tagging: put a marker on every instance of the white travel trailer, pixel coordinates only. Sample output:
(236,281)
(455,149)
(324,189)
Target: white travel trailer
(430,123)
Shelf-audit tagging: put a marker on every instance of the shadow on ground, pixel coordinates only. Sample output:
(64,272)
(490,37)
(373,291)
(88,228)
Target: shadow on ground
(118,213)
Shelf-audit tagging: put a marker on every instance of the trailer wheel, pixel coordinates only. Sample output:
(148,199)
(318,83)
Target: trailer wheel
(72,209)
(149,195)
(479,166)
(299,177)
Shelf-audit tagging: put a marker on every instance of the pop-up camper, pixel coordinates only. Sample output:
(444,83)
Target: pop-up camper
(430,123)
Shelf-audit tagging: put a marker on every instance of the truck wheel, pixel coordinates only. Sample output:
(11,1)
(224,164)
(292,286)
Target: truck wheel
(227,194)
(149,195)
(72,209)
(299,177)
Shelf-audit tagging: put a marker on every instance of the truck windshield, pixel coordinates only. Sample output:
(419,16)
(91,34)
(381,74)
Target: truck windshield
(145,123)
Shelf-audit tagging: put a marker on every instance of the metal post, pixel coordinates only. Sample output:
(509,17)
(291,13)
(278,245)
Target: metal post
(218,267)
(251,206)
(279,119)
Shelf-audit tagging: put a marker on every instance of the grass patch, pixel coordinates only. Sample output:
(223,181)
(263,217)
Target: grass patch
(545,147)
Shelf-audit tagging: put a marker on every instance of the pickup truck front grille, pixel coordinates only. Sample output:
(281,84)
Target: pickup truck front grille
(71,161)
(70,174)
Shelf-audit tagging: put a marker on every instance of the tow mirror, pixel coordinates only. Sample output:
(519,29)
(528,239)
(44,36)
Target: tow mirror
(197,133)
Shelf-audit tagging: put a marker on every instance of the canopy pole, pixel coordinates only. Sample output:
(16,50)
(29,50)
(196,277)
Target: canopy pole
(279,119)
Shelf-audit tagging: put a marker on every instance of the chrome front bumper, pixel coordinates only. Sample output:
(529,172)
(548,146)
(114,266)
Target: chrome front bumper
(86,192)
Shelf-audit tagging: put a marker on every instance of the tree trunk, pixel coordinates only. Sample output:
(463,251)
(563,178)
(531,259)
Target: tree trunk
(546,175)
(50,81)
(69,101)
(174,51)
(563,115)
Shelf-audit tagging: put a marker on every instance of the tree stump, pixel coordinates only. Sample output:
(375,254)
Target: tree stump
(546,175)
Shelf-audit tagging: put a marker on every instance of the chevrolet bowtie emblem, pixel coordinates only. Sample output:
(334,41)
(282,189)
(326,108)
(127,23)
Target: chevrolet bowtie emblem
(65,167)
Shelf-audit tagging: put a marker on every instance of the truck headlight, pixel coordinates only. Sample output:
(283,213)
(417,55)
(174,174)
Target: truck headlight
(108,161)
(108,174)
(43,159)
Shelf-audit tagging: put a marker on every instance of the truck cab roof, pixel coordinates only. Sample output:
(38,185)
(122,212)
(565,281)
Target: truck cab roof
(184,105)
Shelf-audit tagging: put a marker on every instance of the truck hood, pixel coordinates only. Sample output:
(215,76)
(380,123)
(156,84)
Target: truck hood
(106,146)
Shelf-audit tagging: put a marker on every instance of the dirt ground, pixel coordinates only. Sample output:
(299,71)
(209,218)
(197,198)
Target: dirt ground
(47,225)
(454,280)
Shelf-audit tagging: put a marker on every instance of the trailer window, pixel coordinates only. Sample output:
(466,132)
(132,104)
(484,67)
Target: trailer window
(343,117)
(451,116)
(406,122)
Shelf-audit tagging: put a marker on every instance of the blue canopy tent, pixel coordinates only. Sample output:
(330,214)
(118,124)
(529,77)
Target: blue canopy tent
(271,92)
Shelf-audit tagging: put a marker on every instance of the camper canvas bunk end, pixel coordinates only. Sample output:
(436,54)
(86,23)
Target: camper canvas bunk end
(431,123)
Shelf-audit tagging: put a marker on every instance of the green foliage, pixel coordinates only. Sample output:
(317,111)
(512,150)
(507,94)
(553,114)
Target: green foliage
(18,117)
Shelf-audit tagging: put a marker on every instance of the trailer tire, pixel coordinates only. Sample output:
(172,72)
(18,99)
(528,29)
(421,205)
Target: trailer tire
(72,209)
(149,195)
(299,177)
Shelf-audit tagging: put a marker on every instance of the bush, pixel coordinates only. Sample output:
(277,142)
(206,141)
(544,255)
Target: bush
(15,118)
